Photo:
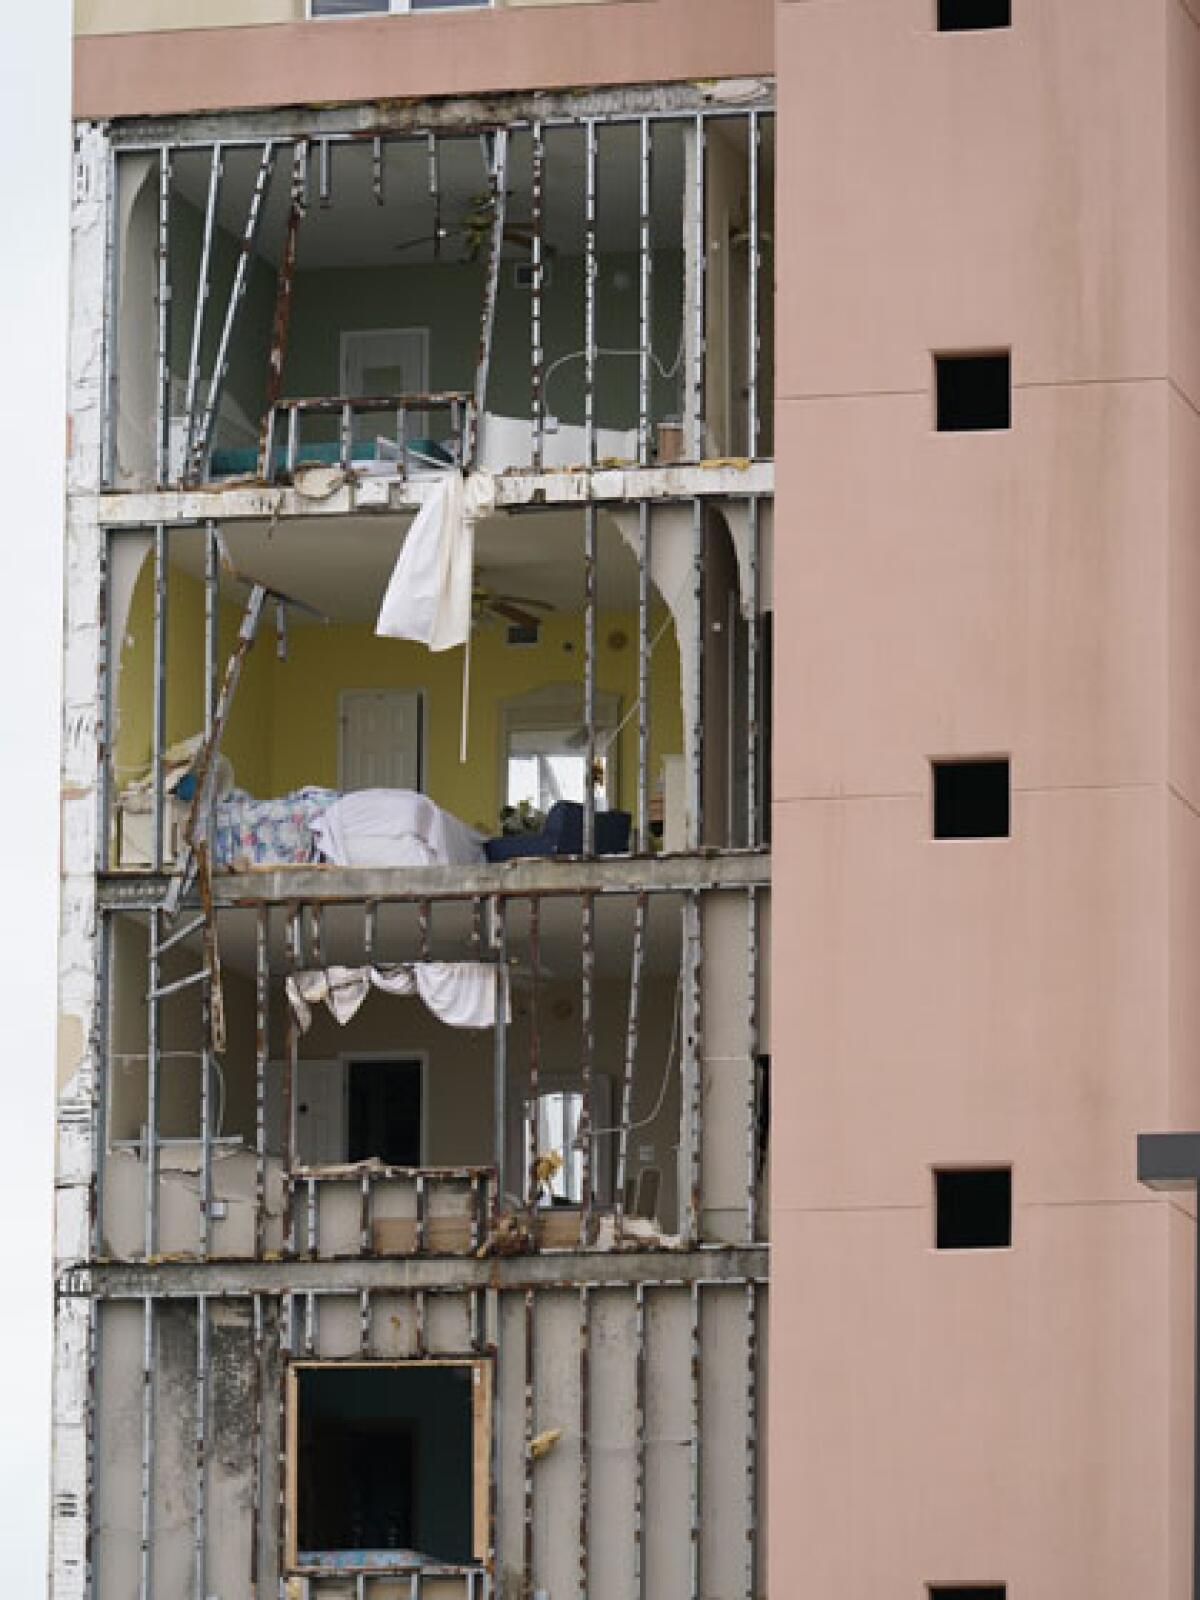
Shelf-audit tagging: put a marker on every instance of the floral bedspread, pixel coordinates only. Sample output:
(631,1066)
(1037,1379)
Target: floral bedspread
(255,833)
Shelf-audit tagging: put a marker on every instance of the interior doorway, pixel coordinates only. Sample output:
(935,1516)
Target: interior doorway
(385,1102)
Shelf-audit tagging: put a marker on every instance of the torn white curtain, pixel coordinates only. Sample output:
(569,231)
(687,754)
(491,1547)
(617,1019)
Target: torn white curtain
(429,595)
(461,994)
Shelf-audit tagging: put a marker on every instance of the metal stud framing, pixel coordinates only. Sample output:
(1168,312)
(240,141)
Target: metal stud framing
(202,404)
(632,1029)
(162,410)
(198,445)
(645,288)
(589,294)
(536,285)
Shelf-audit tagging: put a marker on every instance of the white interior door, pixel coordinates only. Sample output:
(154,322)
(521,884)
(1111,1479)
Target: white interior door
(320,1107)
(380,739)
(378,362)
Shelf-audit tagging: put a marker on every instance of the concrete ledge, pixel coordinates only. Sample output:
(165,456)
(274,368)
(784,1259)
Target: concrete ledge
(537,875)
(557,1269)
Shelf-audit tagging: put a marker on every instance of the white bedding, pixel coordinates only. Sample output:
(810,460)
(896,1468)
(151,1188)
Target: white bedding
(393,828)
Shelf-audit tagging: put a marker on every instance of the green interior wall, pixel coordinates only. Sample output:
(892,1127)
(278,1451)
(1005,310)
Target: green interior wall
(445,297)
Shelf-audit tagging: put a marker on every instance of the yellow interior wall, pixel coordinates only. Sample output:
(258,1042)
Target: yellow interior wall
(246,742)
(284,729)
(323,662)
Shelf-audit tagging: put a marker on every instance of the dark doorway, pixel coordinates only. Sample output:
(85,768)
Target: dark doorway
(385,1112)
(385,1461)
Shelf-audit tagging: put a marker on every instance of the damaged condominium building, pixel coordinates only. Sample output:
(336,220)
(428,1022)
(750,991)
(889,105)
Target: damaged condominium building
(469,1134)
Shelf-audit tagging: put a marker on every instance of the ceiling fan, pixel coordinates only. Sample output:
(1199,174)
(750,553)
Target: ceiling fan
(473,229)
(489,606)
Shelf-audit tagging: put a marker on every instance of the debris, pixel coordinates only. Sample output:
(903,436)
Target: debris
(544,1443)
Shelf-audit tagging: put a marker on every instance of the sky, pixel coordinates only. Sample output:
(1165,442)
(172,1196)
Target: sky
(34,198)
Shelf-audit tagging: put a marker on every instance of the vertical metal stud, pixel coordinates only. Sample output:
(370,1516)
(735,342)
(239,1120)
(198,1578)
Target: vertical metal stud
(422,1214)
(631,1043)
(377,171)
(435,194)
(498,917)
(325,175)
(754,830)
(696,771)
(639,1442)
(498,184)
(158,736)
(536,284)
(589,291)
(585,1520)
(751,1511)
(198,445)
(645,535)
(200,1565)
(587,1009)
(696,1487)
(693,1086)
(645,295)
(146,1537)
(364,1322)
(99,1049)
(751,1064)
(530,1424)
(153,1063)
(162,414)
(256,1451)
(109,396)
(753,142)
(262,1056)
(589,676)
(699,292)
(364,1214)
(215,173)
(109,653)
(535,1048)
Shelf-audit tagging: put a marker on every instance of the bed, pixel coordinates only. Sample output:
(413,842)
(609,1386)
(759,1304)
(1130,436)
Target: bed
(364,828)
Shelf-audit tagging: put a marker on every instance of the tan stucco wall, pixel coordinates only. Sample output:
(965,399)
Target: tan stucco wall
(152,16)
(573,45)
(1004,1415)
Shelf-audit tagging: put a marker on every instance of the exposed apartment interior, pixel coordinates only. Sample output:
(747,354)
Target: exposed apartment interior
(430,1125)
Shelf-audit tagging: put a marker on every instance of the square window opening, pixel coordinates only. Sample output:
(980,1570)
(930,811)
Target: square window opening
(387,1464)
(968,1591)
(973,1212)
(970,16)
(972,799)
(974,392)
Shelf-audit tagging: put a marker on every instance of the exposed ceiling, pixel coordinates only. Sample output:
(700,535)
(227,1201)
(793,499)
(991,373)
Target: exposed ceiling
(397,937)
(341,565)
(354,228)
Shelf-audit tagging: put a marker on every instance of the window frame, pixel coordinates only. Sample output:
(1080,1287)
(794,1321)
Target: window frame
(482,1389)
(397,8)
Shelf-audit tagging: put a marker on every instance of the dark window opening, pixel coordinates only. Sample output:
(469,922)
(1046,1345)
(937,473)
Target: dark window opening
(971,799)
(385,1463)
(968,1591)
(974,1210)
(385,1112)
(973,392)
(963,16)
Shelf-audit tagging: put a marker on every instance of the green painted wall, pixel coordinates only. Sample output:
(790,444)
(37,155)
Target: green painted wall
(446,298)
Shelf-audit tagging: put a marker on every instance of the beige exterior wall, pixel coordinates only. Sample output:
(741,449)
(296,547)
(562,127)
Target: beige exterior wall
(1018,1415)
(152,16)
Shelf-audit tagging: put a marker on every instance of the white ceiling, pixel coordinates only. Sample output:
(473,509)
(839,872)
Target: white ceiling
(341,565)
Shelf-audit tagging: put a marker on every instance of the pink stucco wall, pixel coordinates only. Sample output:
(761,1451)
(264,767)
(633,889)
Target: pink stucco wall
(628,41)
(1019,1415)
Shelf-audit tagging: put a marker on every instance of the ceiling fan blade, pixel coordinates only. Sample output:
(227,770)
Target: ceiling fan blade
(504,607)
